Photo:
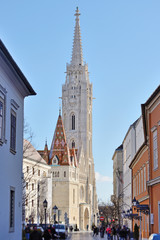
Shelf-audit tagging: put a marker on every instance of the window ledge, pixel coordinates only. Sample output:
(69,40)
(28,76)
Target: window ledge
(155,169)
(13,151)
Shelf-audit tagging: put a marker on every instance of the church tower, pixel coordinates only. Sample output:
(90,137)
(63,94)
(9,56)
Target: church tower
(77,100)
(70,155)
(77,115)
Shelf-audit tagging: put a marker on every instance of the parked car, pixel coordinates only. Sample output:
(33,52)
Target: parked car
(61,230)
(154,236)
(40,228)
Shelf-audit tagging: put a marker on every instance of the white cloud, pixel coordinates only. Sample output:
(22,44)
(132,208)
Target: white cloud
(101,178)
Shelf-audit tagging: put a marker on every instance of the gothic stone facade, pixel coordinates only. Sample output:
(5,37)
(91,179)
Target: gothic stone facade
(70,155)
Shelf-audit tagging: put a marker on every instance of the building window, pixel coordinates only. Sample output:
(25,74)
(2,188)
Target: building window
(27,185)
(73,196)
(3,93)
(38,172)
(64,173)
(53,174)
(13,131)
(27,169)
(26,202)
(38,187)
(32,203)
(155,151)
(73,144)
(139,183)
(33,170)
(144,178)
(32,186)
(1,118)
(73,122)
(12,209)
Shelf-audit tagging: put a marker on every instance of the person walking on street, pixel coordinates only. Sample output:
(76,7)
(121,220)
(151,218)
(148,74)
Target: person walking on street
(123,233)
(27,232)
(114,233)
(102,231)
(108,231)
(94,230)
(35,235)
(46,235)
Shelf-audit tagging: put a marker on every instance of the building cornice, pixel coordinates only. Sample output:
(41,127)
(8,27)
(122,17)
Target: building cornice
(140,151)
(153,181)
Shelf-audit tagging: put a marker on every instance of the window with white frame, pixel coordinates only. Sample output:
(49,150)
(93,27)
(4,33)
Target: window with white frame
(142,180)
(73,196)
(13,131)
(2,114)
(12,209)
(1,118)
(155,151)
(145,178)
(139,183)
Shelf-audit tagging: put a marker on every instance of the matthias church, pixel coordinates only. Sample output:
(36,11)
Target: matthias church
(66,169)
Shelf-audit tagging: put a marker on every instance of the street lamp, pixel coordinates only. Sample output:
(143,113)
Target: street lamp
(45,203)
(144,208)
(55,209)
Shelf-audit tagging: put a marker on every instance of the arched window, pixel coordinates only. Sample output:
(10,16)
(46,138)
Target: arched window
(73,144)
(73,122)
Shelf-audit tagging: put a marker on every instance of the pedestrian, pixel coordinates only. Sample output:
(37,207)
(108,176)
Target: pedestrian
(97,231)
(114,233)
(54,233)
(102,229)
(94,230)
(46,235)
(27,232)
(123,233)
(108,231)
(35,235)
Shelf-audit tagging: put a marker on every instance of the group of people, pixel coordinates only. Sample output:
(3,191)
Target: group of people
(48,234)
(113,232)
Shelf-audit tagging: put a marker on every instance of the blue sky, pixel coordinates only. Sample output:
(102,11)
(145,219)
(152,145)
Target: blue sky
(121,44)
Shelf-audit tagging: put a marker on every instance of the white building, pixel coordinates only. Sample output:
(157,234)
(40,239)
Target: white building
(37,186)
(14,87)
(131,143)
(118,180)
(70,155)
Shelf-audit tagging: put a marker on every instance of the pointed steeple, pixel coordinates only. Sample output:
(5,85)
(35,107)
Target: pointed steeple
(59,147)
(77,57)
(46,153)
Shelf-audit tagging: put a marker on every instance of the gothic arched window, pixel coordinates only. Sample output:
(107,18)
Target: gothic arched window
(73,122)
(73,144)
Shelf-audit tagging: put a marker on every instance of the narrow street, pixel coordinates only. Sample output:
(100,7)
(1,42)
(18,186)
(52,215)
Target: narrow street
(85,236)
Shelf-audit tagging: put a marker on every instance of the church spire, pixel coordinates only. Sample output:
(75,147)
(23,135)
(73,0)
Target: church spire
(77,58)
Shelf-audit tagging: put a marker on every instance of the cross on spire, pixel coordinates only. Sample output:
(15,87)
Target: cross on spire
(77,56)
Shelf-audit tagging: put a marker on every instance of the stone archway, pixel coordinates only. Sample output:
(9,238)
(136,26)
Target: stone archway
(86,219)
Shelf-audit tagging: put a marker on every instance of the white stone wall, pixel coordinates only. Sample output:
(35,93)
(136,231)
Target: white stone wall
(13,91)
(40,176)
(132,142)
